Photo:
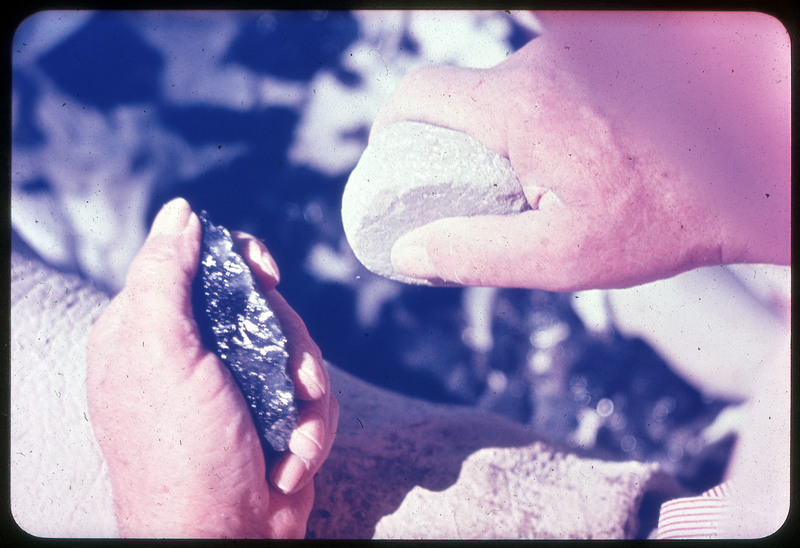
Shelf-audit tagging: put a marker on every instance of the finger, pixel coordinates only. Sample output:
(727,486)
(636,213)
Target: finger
(310,439)
(538,249)
(452,97)
(161,274)
(305,359)
(309,446)
(288,514)
(310,376)
(263,266)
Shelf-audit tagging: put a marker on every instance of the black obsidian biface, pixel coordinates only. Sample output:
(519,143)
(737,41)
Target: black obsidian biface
(236,322)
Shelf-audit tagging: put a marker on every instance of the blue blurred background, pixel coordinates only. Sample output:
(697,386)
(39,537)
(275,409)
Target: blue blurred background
(258,117)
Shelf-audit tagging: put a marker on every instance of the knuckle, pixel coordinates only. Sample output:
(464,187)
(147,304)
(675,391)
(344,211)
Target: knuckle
(418,76)
(153,257)
(428,80)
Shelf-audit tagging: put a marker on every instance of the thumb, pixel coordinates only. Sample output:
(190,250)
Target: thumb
(161,274)
(536,249)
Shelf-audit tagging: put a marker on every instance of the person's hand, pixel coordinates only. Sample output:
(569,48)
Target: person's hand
(601,216)
(182,450)
(613,203)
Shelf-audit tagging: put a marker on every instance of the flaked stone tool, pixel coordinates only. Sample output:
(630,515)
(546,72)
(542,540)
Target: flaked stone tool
(414,173)
(237,323)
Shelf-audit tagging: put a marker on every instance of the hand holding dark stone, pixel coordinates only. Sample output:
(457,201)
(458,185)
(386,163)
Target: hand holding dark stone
(184,454)
(238,324)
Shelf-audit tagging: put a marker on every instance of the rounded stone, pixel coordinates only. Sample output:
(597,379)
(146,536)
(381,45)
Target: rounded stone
(414,173)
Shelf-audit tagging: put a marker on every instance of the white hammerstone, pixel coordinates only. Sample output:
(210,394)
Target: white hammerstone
(414,173)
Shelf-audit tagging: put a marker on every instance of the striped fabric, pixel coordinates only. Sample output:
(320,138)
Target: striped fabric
(694,517)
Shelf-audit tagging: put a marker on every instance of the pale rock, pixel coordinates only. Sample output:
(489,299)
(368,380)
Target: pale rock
(409,469)
(414,173)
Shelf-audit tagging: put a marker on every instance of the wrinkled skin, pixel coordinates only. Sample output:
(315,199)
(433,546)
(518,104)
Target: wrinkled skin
(182,451)
(647,144)
(636,164)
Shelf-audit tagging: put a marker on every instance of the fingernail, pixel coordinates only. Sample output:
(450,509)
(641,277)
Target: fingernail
(268,263)
(412,260)
(549,200)
(290,473)
(306,438)
(259,254)
(172,218)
